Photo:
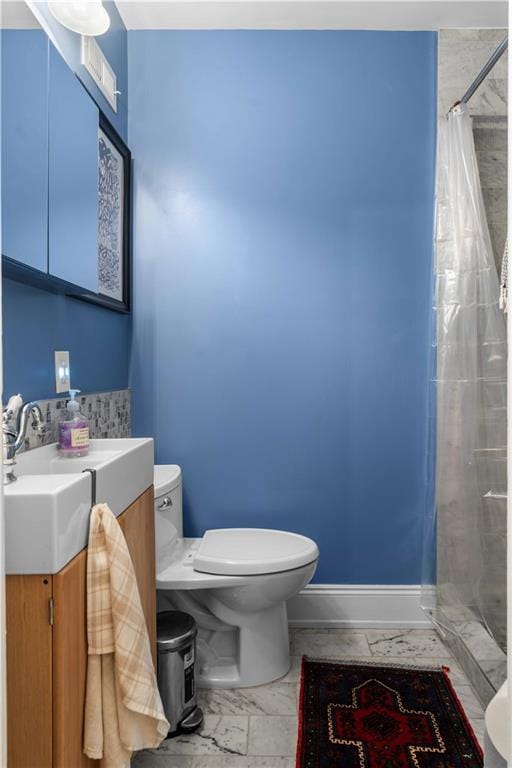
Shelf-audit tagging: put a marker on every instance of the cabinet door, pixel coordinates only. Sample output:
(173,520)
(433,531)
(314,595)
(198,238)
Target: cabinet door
(29,671)
(73,178)
(70,630)
(25,146)
(138,526)
(70,664)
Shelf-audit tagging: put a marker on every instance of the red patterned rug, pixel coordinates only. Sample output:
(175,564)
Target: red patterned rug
(356,715)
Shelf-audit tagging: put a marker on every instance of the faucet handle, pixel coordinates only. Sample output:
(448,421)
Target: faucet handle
(12,407)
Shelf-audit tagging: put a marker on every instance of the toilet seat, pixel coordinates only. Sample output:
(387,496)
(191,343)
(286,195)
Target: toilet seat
(178,571)
(252,552)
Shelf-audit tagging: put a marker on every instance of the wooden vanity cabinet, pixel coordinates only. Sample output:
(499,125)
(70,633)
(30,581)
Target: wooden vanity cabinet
(47,649)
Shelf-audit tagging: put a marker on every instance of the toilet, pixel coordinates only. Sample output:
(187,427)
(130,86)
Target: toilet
(235,583)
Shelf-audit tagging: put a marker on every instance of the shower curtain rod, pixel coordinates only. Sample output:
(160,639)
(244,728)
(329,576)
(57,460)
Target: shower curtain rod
(477,82)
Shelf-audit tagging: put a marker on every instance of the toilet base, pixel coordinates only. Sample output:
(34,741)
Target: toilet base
(234,650)
(242,623)
(262,653)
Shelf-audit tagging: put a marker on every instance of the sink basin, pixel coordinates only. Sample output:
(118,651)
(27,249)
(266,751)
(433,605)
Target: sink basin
(46,461)
(47,509)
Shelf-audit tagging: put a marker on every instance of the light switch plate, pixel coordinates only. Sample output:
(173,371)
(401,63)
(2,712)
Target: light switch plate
(62,378)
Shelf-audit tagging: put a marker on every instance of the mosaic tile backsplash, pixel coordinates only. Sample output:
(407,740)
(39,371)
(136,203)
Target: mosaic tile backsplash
(109,415)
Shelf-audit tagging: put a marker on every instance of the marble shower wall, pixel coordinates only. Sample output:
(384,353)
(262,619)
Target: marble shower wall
(109,415)
(461,55)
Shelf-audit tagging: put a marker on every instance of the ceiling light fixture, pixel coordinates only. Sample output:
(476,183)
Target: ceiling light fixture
(86,17)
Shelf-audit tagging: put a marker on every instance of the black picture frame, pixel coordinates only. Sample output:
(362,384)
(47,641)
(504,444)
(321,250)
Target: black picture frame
(123,305)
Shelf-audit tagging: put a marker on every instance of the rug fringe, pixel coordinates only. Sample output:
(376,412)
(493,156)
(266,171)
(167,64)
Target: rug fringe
(372,662)
(463,712)
(298,752)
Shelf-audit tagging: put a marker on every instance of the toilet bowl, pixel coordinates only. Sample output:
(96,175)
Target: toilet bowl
(235,582)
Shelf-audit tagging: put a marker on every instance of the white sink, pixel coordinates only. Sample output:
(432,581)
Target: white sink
(47,508)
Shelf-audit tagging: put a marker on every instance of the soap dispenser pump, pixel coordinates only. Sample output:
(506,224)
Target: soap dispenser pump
(73,429)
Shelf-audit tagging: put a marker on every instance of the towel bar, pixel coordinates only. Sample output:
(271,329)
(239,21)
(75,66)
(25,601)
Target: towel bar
(92,473)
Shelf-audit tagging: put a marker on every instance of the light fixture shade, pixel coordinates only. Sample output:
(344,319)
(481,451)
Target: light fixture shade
(86,17)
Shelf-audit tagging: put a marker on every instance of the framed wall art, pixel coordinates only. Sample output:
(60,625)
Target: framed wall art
(114,219)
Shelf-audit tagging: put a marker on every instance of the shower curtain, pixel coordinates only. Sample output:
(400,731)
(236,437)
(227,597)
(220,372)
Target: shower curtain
(470,379)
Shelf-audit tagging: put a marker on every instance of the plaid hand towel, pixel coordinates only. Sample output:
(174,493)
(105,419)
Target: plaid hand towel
(123,709)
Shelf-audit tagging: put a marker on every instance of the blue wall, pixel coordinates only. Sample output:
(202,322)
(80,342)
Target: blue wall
(35,322)
(284,187)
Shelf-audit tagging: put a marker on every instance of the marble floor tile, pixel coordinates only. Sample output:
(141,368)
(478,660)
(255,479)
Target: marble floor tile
(479,642)
(454,614)
(272,736)
(470,702)
(151,760)
(405,642)
(293,675)
(219,735)
(495,671)
(478,726)
(273,699)
(334,644)
(456,673)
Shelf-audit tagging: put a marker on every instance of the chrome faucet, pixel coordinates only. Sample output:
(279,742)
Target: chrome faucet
(15,421)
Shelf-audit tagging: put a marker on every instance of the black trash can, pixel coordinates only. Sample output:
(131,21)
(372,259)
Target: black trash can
(176,646)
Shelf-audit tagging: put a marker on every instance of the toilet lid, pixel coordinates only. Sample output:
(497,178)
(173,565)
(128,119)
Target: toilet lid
(252,551)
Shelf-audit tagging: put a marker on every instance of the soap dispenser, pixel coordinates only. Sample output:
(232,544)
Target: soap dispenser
(73,429)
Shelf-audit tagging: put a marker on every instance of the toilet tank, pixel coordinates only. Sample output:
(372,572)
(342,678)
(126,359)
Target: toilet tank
(168,508)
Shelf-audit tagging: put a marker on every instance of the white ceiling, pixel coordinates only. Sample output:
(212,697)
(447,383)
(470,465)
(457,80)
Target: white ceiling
(16,15)
(312,14)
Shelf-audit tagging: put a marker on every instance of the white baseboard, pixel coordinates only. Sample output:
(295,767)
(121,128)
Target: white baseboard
(363,606)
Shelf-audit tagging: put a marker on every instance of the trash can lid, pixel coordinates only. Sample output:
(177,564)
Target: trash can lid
(174,629)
